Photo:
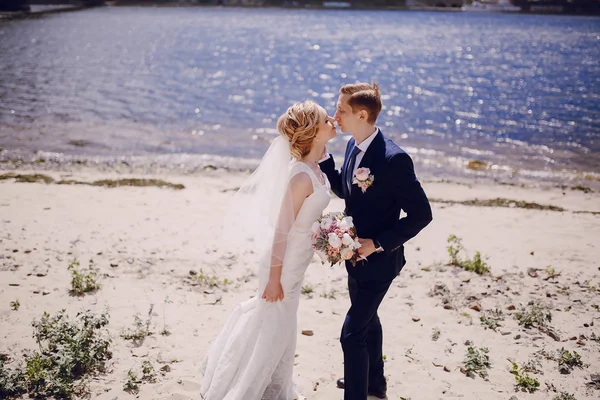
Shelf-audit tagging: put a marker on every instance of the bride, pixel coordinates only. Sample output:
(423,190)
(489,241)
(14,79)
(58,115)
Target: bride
(253,356)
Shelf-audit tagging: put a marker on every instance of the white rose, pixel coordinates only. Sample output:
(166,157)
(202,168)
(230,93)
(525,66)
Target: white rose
(335,241)
(347,254)
(347,240)
(357,244)
(315,227)
(346,223)
(362,174)
(326,223)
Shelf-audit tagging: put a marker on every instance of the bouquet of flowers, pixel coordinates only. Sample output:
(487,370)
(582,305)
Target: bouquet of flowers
(334,239)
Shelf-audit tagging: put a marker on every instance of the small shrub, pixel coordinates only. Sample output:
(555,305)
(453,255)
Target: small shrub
(532,366)
(209,281)
(567,361)
(551,272)
(307,289)
(535,315)
(12,381)
(148,373)
(454,249)
(140,330)
(435,335)
(14,305)
(477,362)
(491,320)
(329,295)
(564,396)
(525,383)
(69,351)
(595,338)
(546,354)
(83,282)
(132,384)
(476,264)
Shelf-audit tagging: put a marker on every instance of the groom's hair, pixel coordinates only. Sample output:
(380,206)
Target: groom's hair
(364,97)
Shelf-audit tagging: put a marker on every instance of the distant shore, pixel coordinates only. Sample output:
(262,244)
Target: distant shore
(538,10)
(57,8)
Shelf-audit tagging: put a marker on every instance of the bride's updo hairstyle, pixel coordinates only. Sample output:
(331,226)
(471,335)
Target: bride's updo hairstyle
(299,124)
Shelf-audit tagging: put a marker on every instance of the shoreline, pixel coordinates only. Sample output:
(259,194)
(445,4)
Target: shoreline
(465,171)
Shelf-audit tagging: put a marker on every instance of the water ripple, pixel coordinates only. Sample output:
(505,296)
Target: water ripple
(518,90)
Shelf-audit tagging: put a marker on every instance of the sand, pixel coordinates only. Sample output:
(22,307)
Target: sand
(149,245)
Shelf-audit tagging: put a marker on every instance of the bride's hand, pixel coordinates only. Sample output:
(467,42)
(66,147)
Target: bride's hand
(273,292)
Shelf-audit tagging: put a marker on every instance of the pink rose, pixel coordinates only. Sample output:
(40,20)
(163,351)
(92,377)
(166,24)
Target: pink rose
(362,174)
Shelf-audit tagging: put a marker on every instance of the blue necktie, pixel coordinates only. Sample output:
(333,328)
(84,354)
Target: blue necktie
(350,168)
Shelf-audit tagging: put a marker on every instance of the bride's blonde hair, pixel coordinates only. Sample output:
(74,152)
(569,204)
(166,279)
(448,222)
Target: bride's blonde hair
(300,124)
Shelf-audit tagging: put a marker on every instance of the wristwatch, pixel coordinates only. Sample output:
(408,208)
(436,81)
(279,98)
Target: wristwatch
(378,248)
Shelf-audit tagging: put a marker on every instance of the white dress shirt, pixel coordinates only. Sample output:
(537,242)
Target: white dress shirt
(363,146)
(363,149)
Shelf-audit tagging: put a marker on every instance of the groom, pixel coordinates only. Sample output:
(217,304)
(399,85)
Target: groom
(377,181)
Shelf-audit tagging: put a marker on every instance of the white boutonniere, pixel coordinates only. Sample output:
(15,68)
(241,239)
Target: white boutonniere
(363,178)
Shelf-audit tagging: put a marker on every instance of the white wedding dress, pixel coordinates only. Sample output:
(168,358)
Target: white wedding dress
(253,356)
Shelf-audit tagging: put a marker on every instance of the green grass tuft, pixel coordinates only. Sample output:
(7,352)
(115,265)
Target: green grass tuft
(476,264)
(525,383)
(477,362)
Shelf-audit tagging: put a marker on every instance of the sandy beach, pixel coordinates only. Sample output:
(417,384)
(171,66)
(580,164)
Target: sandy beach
(157,255)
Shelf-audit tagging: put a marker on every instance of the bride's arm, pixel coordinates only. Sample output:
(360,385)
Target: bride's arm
(327,165)
(299,189)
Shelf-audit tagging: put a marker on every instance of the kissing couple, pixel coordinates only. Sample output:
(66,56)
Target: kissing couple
(253,356)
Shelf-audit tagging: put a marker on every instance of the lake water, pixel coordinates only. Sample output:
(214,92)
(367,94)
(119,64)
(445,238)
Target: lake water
(196,85)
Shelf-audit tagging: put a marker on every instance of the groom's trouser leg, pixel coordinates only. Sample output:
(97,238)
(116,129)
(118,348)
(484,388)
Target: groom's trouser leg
(361,339)
(376,382)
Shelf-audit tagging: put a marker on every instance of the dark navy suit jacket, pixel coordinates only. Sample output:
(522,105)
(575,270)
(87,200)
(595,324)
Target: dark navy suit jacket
(376,213)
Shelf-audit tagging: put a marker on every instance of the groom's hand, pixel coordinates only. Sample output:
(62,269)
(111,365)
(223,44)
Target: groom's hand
(367,247)
(324,155)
